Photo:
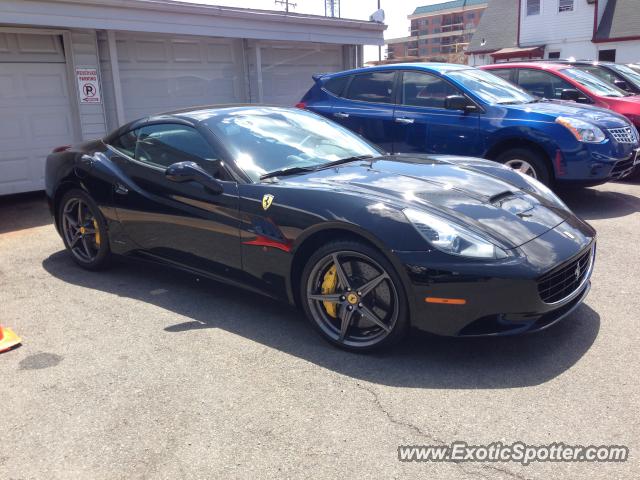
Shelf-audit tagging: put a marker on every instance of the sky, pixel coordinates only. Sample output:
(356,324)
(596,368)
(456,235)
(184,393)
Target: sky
(396,12)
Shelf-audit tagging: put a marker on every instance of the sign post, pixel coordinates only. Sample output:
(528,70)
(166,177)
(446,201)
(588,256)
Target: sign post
(88,85)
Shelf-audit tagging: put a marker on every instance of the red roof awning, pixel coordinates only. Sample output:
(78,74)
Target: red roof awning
(515,52)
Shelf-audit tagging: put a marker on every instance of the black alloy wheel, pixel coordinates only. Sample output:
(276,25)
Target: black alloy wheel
(354,297)
(83,230)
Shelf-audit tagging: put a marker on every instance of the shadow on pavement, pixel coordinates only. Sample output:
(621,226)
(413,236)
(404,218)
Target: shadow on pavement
(592,204)
(22,211)
(423,361)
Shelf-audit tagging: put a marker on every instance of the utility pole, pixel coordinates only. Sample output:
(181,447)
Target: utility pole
(379,46)
(286,4)
(332,8)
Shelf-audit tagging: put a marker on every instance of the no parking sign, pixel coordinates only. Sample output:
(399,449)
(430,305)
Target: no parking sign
(88,85)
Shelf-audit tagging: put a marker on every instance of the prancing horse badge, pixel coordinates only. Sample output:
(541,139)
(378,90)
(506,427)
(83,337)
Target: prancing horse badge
(266,201)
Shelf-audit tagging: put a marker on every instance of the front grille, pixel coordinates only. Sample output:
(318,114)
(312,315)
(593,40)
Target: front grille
(622,168)
(566,279)
(624,135)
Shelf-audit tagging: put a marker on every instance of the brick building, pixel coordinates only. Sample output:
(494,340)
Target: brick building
(439,32)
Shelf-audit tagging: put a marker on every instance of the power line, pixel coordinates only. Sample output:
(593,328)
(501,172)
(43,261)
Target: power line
(286,4)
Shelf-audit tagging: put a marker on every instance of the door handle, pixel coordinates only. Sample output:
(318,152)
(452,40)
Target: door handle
(121,189)
(403,120)
(341,115)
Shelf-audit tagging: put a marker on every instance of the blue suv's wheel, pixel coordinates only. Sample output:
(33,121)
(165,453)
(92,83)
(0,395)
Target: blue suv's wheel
(528,162)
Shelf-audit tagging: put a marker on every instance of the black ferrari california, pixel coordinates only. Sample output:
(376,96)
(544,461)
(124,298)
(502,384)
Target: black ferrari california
(288,204)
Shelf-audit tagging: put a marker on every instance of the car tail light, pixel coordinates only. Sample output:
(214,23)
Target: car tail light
(301,105)
(62,148)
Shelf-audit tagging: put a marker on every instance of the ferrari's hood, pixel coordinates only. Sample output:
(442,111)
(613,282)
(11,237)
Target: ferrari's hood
(498,207)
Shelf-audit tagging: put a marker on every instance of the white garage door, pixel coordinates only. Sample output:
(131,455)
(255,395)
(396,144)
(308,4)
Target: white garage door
(162,73)
(35,112)
(287,68)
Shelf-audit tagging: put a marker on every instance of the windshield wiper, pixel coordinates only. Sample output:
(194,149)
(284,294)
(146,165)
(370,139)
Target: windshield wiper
(294,170)
(344,160)
(286,171)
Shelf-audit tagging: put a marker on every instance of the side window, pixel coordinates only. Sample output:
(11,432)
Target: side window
(424,90)
(167,143)
(372,87)
(542,84)
(336,85)
(126,143)
(503,73)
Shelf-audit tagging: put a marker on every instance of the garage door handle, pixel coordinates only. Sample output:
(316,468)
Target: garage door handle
(341,115)
(404,120)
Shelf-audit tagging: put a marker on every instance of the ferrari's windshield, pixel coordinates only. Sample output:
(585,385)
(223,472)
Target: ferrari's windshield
(264,140)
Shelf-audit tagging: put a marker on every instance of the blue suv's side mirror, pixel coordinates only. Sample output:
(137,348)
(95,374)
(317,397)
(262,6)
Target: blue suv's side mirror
(459,102)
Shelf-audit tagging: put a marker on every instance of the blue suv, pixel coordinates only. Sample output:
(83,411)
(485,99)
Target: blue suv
(461,110)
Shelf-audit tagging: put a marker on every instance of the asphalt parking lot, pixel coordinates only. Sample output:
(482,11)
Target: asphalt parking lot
(142,372)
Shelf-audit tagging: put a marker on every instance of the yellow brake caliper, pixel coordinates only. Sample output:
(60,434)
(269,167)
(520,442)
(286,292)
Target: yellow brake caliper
(329,284)
(97,237)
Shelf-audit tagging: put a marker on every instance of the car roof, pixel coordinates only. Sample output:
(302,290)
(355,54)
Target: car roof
(595,63)
(426,66)
(536,65)
(192,115)
(204,112)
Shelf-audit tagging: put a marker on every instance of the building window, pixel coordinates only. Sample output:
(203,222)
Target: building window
(533,7)
(607,55)
(554,55)
(565,5)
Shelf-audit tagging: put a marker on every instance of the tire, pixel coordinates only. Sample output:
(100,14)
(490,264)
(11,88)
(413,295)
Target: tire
(375,290)
(534,163)
(87,244)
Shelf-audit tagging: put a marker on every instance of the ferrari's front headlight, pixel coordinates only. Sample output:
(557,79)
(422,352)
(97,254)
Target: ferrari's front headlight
(451,238)
(583,131)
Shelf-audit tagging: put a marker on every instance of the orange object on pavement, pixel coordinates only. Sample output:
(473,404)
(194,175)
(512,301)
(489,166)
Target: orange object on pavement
(8,339)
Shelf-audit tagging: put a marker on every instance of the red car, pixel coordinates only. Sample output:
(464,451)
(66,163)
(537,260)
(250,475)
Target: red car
(558,81)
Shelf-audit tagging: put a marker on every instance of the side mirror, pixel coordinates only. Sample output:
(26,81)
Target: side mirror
(458,102)
(192,172)
(621,84)
(570,94)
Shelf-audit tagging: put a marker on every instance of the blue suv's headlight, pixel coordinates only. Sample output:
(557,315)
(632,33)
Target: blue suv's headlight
(583,131)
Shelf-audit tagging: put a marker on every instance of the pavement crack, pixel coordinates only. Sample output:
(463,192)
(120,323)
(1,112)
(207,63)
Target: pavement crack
(395,420)
(423,433)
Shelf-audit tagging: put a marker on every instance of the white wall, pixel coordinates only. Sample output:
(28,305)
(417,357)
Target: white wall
(550,26)
(580,50)
(477,60)
(626,52)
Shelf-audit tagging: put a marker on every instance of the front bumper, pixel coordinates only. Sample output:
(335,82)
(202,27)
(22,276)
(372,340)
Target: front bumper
(592,164)
(501,297)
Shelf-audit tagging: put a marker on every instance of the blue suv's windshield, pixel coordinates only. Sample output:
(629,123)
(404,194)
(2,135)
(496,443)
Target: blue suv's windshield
(490,88)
